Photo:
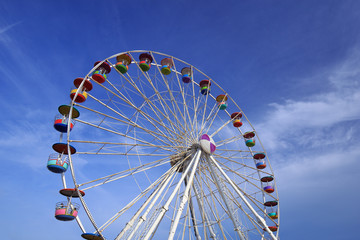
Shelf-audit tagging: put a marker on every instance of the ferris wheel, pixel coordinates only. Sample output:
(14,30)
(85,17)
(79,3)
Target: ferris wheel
(152,148)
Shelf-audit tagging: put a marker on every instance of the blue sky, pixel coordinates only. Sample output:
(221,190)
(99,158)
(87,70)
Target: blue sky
(292,66)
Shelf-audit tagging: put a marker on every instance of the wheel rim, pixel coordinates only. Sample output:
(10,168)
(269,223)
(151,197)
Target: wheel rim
(150,119)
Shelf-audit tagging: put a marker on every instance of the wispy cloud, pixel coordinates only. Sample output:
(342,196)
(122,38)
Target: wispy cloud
(308,172)
(14,55)
(314,146)
(292,121)
(8,27)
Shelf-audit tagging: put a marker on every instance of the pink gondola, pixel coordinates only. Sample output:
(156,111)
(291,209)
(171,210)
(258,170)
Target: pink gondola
(65,211)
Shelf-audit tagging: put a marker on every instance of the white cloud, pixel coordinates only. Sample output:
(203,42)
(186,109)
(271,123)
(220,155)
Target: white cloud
(288,122)
(308,173)
(312,188)
(314,146)
(13,69)
(8,27)
(3,30)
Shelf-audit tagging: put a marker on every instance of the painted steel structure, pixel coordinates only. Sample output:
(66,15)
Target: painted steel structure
(139,117)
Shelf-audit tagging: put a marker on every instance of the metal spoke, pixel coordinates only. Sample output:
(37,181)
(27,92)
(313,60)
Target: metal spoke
(259,218)
(165,207)
(141,126)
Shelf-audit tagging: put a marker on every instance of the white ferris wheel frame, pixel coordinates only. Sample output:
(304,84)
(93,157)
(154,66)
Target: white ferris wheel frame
(188,176)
